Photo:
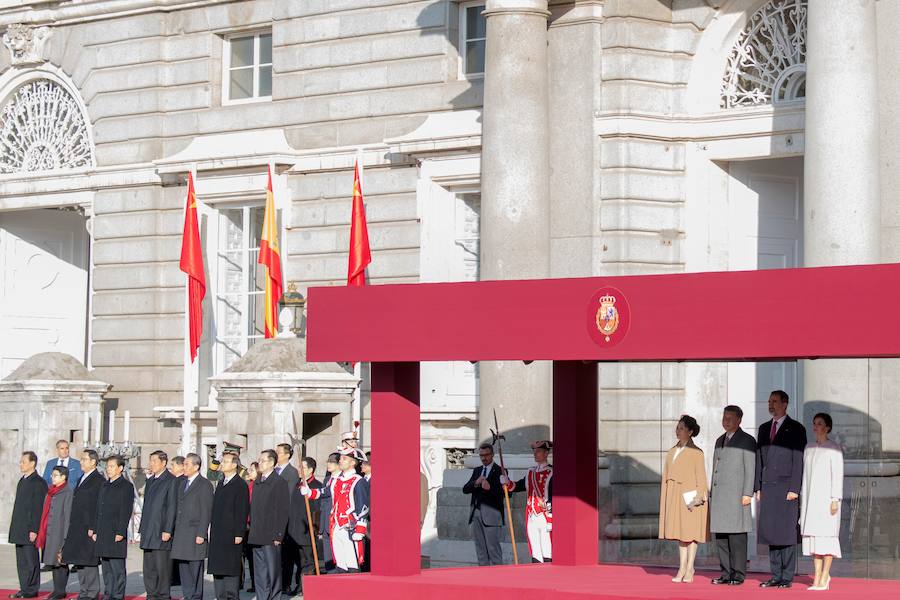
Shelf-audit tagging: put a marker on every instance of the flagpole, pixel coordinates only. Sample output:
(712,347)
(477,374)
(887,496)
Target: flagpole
(357,367)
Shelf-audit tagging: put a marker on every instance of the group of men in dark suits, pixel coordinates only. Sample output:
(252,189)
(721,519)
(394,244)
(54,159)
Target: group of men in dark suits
(98,527)
(771,467)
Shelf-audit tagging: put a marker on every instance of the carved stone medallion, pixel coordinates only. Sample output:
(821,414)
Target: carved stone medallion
(26,43)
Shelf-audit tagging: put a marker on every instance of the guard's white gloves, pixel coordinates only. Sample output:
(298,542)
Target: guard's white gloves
(357,537)
(304,489)
(504,480)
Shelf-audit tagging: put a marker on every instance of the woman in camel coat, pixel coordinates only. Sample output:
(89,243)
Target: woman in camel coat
(683,508)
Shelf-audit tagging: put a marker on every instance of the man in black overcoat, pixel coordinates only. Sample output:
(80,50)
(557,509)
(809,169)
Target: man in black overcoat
(25,523)
(80,549)
(298,524)
(192,516)
(779,474)
(486,507)
(231,506)
(290,552)
(268,520)
(157,526)
(115,504)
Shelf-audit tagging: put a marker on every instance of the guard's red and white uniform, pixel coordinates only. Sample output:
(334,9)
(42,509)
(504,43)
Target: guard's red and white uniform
(349,520)
(538,484)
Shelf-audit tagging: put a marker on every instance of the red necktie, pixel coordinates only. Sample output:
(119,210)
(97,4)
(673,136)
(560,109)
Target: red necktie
(774,431)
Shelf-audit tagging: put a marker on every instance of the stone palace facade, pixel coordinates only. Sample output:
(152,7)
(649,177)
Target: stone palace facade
(499,139)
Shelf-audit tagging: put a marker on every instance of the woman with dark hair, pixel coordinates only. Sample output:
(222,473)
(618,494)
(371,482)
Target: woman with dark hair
(54,525)
(820,500)
(682,500)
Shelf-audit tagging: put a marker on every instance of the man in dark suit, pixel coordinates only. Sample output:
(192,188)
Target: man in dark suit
(486,507)
(779,474)
(298,524)
(231,506)
(80,550)
(290,552)
(192,516)
(114,507)
(63,460)
(25,524)
(268,519)
(157,526)
(733,479)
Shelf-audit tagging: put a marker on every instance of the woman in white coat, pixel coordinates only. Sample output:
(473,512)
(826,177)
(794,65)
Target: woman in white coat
(820,500)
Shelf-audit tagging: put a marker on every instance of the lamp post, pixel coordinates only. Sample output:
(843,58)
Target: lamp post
(291,315)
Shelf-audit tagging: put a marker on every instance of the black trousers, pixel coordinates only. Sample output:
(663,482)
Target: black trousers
(227,587)
(248,553)
(28,566)
(783,560)
(267,572)
(191,572)
(88,582)
(732,549)
(290,563)
(113,578)
(158,574)
(307,562)
(327,554)
(60,579)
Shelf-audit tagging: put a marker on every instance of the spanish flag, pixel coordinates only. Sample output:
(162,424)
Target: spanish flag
(192,265)
(360,254)
(269,255)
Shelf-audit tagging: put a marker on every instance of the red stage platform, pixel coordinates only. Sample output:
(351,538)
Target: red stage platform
(600,582)
(787,314)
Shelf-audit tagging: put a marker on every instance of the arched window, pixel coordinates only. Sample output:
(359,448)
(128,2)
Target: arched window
(768,62)
(43,128)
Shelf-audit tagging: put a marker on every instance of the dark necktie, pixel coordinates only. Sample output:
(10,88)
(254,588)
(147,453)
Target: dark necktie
(773,431)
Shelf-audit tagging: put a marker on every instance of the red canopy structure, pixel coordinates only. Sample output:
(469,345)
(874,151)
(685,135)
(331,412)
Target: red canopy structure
(831,312)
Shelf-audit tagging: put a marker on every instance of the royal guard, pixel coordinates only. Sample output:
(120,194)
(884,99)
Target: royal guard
(349,519)
(538,485)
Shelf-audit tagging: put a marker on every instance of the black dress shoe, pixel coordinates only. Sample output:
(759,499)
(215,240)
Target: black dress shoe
(784,584)
(735,582)
(17,595)
(56,596)
(720,581)
(771,583)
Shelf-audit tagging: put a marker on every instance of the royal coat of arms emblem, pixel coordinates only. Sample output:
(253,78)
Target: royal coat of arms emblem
(607,316)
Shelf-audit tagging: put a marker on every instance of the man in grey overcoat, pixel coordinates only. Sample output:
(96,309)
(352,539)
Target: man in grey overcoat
(730,494)
(779,474)
(192,516)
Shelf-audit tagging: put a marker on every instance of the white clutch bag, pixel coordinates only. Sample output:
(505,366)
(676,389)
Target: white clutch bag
(689,497)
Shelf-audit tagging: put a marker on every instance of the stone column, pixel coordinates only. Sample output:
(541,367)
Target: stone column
(575,83)
(841,222)
(515,207)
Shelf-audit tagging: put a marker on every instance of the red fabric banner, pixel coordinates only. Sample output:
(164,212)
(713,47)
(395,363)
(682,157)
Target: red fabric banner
(360,254)
(192,265)
(269,255)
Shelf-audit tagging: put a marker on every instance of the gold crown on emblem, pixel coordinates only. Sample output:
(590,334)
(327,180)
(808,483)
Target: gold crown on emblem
(607,299)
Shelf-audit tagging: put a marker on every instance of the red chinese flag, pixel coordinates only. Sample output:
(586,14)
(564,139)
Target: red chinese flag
(360,254)
(270,256)
(192,265)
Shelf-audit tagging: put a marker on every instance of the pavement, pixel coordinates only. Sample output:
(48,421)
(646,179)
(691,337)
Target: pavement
(134,585)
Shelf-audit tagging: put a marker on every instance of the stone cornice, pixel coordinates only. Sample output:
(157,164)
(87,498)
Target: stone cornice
(59,12)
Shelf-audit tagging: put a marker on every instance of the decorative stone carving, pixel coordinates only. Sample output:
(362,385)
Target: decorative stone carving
(768,62)
(26,43)
(43,129)
(456,457)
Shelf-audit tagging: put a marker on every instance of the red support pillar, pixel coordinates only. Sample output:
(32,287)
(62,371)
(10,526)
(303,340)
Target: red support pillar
(396,547)
(575,524)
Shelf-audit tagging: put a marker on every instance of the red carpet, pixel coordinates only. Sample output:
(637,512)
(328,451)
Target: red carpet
(42,595)
(552,582)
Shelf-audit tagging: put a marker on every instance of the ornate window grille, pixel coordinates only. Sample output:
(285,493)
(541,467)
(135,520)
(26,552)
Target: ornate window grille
(768,62)
(43,129)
